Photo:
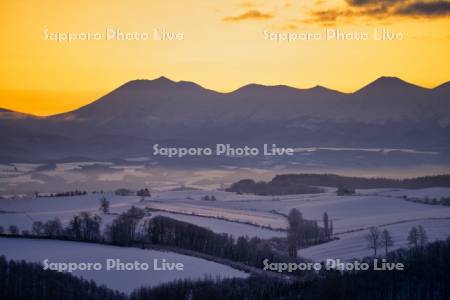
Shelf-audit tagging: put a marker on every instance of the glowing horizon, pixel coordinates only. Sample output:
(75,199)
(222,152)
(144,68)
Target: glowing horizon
(223,48)
(85,95)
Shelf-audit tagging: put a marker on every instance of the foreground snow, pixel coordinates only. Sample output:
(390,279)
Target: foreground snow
(125,281)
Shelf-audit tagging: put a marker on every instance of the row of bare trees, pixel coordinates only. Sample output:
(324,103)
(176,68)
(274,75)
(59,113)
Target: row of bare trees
(377,239)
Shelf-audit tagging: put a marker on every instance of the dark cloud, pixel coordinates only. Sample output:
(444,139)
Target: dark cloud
(429,9)
(381,9)
(330,16)
(249,15)
(373,2)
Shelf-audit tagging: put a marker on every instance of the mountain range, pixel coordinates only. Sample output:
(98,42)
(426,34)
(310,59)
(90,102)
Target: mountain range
(388,112)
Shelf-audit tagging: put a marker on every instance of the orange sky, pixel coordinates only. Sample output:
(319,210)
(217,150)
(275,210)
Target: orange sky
(223,47)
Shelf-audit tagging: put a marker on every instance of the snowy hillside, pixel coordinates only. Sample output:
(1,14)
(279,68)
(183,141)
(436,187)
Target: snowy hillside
(125,281)
(238,214)
(353,245)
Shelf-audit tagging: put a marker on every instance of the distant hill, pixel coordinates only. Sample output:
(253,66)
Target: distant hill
(163,101)
(388,112)
(305,183)
(10,114)
(272,188)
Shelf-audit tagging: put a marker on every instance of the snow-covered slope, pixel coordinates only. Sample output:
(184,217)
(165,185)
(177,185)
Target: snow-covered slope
(125,281)
(351,215)
(354,245)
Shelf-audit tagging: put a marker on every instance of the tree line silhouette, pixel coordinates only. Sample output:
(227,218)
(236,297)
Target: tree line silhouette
(134,228)
(308,183)
(20,280)
(426,276)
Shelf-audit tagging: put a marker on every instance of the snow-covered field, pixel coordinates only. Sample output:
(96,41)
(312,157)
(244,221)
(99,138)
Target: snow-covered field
(261,218)
(436,192)
(351,215)
(223,226)
(23,212)
(353,245)
(125,281)
(348,212)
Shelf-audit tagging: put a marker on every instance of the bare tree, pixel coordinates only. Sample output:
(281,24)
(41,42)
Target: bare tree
(413,237)
(331,228)
(326,225)
(75,227)
(37,228)
(122,231)
(104,205)
(295,220)
(386,240)
(53,228)
(13,229)
(373,239)
(422,236)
